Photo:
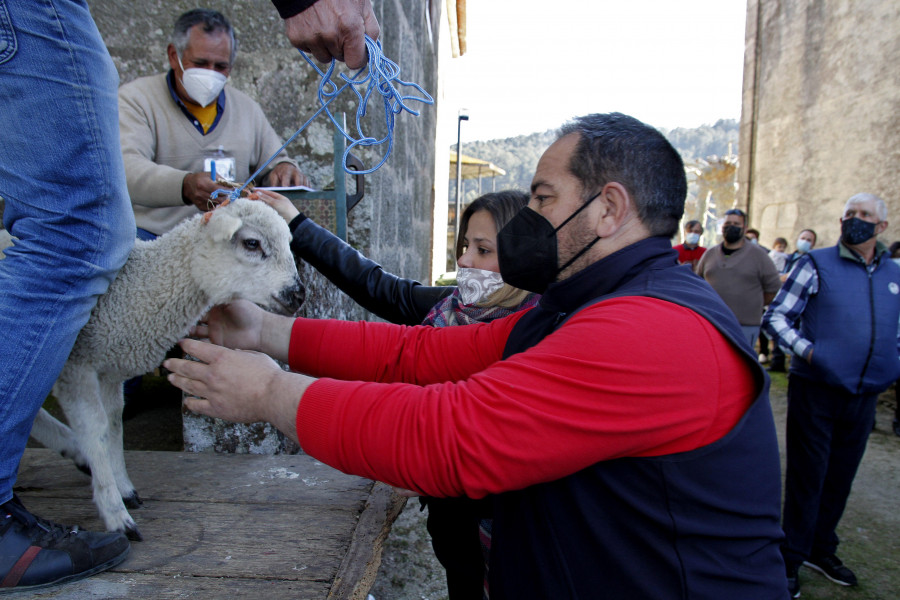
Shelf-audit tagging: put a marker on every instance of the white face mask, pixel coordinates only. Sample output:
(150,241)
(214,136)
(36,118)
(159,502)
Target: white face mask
(804,246)
(477,284)
(692,238)
(202,85)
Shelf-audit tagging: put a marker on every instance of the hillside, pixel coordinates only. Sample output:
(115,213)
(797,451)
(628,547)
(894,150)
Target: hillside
(518,155)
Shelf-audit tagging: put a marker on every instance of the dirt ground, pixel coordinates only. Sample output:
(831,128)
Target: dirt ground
(869,531)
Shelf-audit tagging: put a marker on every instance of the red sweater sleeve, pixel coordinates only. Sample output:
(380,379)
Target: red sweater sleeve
(611,382)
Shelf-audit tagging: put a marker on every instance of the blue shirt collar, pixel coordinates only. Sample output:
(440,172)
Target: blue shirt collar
(220,105)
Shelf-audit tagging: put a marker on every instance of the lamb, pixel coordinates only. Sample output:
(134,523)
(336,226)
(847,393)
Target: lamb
(241,250)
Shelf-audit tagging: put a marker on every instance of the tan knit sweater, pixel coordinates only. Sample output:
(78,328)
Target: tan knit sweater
(160,146)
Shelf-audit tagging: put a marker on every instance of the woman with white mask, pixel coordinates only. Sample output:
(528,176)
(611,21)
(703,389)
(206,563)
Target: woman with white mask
(481,295)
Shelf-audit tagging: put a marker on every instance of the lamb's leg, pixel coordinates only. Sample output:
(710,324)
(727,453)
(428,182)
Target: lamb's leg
(79,395)
(113,403)
(56,436)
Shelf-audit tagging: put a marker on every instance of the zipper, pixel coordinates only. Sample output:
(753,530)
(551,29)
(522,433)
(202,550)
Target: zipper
(865,368)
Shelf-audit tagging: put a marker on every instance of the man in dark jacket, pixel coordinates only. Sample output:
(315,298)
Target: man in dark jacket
(837,313)
(617,470)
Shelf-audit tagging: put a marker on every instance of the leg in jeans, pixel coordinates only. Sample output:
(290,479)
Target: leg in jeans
(63,182)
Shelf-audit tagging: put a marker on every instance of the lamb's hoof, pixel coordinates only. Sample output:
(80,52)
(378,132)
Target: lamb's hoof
(133,500)
(133,534)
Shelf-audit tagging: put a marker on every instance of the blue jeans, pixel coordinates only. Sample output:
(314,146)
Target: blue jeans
(63,182)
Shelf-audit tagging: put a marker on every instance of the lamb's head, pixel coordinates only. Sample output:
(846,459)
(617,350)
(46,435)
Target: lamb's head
(243,251)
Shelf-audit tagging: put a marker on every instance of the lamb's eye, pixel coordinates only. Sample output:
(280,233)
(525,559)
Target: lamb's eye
(251,244)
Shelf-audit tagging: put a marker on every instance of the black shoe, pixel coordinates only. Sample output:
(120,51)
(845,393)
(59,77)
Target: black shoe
(832,568)
(35,553)
(793,580)
(776,368)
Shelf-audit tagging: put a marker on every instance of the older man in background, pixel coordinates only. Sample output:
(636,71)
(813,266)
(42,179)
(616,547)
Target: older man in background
(175,125)
(837,313)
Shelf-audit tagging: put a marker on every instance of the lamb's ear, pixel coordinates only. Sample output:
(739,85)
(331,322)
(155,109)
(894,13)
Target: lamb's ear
(223,225)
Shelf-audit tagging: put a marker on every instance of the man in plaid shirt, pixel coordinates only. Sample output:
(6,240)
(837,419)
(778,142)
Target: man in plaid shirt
(837,313)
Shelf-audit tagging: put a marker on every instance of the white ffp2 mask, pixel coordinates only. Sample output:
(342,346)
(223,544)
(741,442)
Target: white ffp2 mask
(202,85)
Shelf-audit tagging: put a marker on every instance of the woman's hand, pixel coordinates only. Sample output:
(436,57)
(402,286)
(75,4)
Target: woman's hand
(281,204)
(237,325)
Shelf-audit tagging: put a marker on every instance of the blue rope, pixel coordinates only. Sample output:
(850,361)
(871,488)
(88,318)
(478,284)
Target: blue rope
(380,74)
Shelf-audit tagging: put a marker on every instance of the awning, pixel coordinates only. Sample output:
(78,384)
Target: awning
(474,168)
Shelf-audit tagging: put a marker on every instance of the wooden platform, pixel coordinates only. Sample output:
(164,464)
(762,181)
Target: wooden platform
(225,526)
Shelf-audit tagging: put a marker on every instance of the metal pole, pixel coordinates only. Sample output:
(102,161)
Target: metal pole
(462,117)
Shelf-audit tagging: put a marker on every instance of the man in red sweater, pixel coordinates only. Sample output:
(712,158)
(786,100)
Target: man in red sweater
(690,252)
(616,469)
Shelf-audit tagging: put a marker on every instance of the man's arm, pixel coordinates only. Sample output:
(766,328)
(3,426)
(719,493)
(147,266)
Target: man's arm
(149,184)
(769,280)
(781,319)
(283,170)
(467,423)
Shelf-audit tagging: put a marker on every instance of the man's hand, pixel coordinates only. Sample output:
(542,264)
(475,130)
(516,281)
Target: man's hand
(196,188)
(285,175)
(334,29)
(238,386)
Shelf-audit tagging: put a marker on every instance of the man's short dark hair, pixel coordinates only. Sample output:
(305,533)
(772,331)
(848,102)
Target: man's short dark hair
(691,224)
(211,21)
(616,147)
(737,211)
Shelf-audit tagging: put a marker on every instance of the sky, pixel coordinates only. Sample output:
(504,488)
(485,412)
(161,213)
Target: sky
(532,64)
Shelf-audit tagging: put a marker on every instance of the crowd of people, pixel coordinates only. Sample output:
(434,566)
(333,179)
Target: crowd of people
(568,449)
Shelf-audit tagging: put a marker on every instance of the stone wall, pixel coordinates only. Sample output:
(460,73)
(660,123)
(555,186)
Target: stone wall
(393,224)
(821,114)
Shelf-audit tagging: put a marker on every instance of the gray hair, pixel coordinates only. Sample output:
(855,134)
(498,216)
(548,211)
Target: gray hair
(880,206)
(211,20)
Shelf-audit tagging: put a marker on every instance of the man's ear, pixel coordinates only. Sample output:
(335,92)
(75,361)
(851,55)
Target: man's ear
(616,206)
(879,229)
(173,57)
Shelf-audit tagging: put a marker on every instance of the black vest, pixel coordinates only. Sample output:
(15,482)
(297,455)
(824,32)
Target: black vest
(698,524)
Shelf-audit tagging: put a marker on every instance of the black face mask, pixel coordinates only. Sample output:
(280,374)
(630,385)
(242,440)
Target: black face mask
(732,233)
(855,231)
(527,250)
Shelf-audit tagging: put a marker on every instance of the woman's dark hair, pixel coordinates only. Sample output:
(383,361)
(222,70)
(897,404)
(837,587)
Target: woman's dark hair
(502,205)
